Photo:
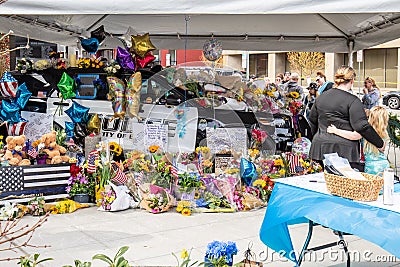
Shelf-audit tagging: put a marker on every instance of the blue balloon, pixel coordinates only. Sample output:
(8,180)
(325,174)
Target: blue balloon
(23,95)
(90,45)
(69,129)
(78,113)
(248,171)
(10,112)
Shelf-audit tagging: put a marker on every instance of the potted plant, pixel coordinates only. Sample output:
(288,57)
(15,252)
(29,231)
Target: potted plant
(81,187)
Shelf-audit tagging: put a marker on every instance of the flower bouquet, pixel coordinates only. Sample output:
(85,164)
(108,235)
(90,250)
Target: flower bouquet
(220,254)
(112,68)
(258,137)
(115,198)
(185,207)
(187,185)
(42,65)
(86,63)
(155,199)
(24,65)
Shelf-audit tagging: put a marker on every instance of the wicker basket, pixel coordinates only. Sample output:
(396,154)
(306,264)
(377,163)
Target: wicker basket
(361,190)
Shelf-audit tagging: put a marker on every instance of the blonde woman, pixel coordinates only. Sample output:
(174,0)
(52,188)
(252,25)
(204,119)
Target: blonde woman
(340,108)
(375,160)
(371,93)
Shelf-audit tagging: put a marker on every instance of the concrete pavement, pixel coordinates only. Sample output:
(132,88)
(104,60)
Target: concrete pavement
(153,237)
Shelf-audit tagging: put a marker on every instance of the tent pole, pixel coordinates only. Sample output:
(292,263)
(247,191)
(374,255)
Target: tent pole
(350,45)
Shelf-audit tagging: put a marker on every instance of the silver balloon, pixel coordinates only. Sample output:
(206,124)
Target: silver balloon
(126,38)
(111,42)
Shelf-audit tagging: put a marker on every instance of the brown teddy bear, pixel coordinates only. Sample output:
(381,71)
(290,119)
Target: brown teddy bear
(14,153)
(55,152)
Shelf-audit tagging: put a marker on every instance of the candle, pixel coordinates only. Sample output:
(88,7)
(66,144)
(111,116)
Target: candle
(72,60)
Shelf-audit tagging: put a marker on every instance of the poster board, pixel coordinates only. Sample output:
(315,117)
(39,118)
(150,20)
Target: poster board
(226,139)
(38,124)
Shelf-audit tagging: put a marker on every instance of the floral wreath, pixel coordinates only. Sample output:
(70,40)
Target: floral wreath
(394,130)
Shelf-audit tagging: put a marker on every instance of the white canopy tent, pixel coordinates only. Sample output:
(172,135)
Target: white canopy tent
(287,25)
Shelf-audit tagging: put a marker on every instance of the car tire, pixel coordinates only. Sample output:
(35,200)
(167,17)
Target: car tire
(393,102)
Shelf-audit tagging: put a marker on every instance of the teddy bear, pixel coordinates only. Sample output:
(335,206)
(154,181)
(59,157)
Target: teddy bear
(55,152)
(14,153)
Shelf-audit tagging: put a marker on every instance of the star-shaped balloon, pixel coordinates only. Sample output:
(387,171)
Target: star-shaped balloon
(142,62)
(126,38)
(23,95)
(69,129)
(99,34)
(94,124)
(124,58)
(141,45)
(10,112)
(66,86)
(78,113)
(90,45)
(8,85)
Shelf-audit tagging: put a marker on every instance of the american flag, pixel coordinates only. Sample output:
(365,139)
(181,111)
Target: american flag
(32,152)
(117,175)
(21,183)
(174,172)
(139,177)
(91,162)
(294,162)
(8,85)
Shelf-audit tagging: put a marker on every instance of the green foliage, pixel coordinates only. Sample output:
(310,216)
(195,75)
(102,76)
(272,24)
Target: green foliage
(185,255)
(216,202)
(31,260)
(187,182)
(118,261)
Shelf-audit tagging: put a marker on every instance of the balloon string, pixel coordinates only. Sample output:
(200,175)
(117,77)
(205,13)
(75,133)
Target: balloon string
(5,35)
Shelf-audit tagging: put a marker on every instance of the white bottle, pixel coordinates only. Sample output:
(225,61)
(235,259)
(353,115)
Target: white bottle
(388,186)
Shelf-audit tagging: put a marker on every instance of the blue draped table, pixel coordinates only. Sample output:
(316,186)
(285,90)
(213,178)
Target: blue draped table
(305,198)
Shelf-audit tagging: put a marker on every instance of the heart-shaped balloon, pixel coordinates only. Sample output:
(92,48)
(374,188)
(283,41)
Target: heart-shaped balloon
(78,113)
(142,62)
(248,171)
(99,34)
(124,58)
(141,45)
(91,45)
(23,95)
(66,86)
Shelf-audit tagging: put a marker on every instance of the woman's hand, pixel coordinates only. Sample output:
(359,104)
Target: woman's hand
(331,129)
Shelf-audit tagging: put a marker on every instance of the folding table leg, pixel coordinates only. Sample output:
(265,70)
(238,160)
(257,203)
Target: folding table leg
(306,243)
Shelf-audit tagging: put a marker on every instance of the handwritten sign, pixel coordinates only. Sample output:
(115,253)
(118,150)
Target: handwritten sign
(156,134)
(38,124)
(226,139)
(222,163)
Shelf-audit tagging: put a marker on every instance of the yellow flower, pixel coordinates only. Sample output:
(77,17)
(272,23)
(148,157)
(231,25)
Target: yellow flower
(1,137)
(186,212)
(282,171)
(269,93)
(184,254)
(179,208)
(260,182)
(278,162)
(294,94)
(153,149)
(258,91)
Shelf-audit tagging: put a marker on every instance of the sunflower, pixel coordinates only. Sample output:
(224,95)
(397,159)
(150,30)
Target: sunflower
(153,149)
(282,171)
(278,162)
(115,148)
(186,212)
(294,94)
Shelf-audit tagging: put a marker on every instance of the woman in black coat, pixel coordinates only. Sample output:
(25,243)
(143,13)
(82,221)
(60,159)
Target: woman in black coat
(345,111)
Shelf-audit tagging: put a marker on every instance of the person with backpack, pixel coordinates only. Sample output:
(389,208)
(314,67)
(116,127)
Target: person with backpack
(323,84)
